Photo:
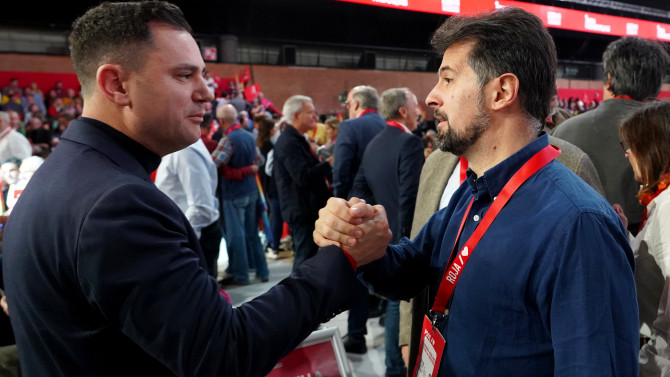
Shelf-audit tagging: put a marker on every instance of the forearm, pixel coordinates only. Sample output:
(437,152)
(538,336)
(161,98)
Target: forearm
(235,174)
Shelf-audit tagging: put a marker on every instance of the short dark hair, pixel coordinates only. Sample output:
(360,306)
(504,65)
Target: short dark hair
(636,67)
(507,40)
(114,32)
(647,132)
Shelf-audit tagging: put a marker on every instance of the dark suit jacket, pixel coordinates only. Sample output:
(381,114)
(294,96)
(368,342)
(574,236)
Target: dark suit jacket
(596,132)
(389,175)
(104,276)
(353,135)
(300,178)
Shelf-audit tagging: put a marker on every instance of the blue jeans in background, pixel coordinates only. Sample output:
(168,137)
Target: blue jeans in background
(395,365)
(243,243)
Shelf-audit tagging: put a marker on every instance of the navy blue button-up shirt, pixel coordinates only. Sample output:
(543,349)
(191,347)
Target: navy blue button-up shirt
(549,289)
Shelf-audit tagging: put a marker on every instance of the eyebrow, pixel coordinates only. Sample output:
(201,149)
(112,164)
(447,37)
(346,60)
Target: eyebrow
(446,67)
(188,67)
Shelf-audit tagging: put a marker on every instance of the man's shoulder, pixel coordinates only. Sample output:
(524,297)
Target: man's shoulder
(286,142)
(568,150)
(15,135)
(242,134)
(566,192)
(406,140)
(373,120)
(574,124)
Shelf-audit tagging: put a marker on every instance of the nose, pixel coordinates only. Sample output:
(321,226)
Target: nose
(433,98)
(202,92)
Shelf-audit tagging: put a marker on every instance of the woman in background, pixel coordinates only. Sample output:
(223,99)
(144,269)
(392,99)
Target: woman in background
(645,138)
(267,133)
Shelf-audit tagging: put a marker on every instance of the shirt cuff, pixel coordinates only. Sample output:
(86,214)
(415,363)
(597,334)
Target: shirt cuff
(351,259)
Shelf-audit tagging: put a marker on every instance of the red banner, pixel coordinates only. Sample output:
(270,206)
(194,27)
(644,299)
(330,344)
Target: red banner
(553,17)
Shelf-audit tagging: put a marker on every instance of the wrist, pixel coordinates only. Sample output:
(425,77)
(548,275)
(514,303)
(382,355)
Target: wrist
(351,259)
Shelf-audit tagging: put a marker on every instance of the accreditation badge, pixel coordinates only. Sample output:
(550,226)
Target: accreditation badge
(431,349)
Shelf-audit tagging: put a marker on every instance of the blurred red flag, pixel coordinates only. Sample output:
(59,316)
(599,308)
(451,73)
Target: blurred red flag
(251,92)
(246,76)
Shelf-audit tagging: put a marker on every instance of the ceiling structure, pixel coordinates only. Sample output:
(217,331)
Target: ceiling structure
(335,22)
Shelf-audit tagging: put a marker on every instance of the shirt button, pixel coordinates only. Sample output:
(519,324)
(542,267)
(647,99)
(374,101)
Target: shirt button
(475,217)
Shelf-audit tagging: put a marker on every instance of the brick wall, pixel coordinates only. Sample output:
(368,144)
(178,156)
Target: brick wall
(279,82)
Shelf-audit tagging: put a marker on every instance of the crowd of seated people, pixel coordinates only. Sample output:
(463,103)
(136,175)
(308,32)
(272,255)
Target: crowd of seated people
(40,117)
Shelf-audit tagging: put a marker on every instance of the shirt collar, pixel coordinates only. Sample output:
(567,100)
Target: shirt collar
(493,180)
(368,111)
(395,123)
(114,138)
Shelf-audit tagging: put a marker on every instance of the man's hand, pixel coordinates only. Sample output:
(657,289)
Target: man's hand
(254,168)
(355,226)
(3,304)
(619,211)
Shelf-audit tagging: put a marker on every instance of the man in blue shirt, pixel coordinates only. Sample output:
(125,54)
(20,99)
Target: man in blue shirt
(549,289)
(240,199)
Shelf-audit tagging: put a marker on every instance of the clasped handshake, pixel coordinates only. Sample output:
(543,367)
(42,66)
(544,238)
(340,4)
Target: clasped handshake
(360,229)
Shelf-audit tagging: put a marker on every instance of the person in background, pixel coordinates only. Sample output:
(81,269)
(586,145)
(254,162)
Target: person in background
(27,169)
(267,137)
(302,180)
(634,70)
(645,139)
(206,132)
(328,149)
(189,177)
(389,175)
(353,136)
(16,123)
(12,87)
(240,202)
(10,175)
(12,143)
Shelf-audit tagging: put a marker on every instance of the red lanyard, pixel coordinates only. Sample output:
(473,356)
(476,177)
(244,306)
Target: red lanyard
(397,125)
(367,111)
(464,168)
(452,274)
(233,128)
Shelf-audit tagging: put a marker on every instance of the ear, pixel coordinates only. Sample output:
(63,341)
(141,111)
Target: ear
(608,82)
(402,110)
(110,80)
(503,91)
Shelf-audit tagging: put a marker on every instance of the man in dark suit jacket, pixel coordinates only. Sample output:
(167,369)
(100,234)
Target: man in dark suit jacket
(353,136)
(104,275)
(389,175)
(302,180)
